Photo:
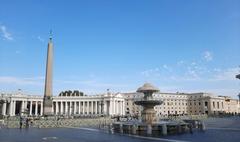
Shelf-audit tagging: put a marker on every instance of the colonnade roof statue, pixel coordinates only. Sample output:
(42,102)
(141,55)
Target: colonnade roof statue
(238,76)
(47,100)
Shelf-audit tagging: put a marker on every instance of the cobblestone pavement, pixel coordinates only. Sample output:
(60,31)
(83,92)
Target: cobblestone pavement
(62,135)
(218,130)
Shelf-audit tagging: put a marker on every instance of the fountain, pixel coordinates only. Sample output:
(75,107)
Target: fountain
(149,125)
(148,103)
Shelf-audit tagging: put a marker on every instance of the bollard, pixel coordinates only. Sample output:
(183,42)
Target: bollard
(164,129)
(179,129)
(134,129)
(121,128)
(203,128)
(149,129)
(191,128)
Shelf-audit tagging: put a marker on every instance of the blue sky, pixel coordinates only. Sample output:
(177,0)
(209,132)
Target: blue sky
(185,46)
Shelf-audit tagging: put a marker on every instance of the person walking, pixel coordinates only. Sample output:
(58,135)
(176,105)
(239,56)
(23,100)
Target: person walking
(27,123)
(20,122)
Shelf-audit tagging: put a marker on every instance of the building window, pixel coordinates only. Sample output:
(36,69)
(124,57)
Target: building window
(206,104)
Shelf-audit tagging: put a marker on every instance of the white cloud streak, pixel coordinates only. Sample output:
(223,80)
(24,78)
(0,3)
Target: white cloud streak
(40,39)
(151,72)
(207,56)
(21,81)
(5,34)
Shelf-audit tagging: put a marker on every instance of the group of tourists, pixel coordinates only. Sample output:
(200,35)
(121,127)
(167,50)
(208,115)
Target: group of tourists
(26,121)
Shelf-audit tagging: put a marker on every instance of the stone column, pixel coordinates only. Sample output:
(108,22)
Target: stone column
(120,107)
(57,109)
(117,107)
(100,108)
(4,108)
(10,108)
(105,107)
(71,107)
(92,107)
(96,106)
(52,108)
(41,111)
(66,108)
(114,107)
(26,102)
(30,110)
(14,107)
(75,108)
(123,107)
(83,107)
(22,107)
(36,108)
(79,108)
(87,107)
(111,107)
(61,109)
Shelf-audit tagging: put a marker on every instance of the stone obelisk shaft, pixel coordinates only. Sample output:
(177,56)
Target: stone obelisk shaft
(47,102)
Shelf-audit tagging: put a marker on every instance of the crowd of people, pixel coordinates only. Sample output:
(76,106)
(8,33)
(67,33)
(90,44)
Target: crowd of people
(25,122)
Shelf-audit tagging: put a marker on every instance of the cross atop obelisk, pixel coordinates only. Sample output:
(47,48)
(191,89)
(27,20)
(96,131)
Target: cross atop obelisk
(47,101)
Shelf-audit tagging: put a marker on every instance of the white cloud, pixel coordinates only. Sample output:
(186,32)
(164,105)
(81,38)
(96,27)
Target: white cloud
(40,39)
(5,34)
(181,62)
(225,75)
(151,72)
(21,81)
(90,83)
(207,56)
(166,67)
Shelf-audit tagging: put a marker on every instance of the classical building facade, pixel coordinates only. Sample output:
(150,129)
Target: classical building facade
(112,104)
(105,104)
(186,103)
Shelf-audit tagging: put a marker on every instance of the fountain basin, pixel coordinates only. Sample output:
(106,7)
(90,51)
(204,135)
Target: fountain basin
(148,102)
(155,129)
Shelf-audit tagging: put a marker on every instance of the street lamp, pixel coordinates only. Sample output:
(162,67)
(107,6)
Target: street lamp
(238,77)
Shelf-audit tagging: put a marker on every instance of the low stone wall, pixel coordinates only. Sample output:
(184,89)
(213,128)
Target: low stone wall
(177,118)
(55,123)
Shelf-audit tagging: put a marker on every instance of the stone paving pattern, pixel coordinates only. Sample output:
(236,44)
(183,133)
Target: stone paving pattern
(218,130)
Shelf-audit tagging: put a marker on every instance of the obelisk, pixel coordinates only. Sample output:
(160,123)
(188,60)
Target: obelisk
(47,100)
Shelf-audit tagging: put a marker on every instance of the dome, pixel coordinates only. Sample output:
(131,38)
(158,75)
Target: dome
(147,87)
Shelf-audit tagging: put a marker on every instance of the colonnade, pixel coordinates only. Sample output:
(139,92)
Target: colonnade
(65,106)
(20,107)
(88,107)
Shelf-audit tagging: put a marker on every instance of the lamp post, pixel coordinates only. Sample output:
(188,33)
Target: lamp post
(238,77)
